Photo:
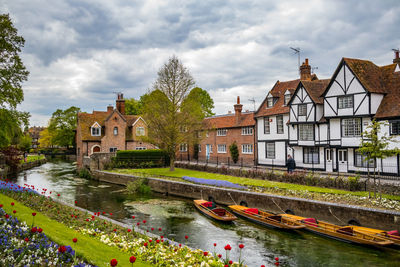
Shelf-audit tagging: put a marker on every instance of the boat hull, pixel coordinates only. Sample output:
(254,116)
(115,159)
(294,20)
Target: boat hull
(229,217)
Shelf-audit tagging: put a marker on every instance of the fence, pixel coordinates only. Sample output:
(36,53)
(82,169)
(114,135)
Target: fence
(247,162)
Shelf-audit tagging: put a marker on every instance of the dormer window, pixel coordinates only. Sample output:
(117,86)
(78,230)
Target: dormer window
(139,131)
(287,99)
(270,102)
(95,129)
(115,130)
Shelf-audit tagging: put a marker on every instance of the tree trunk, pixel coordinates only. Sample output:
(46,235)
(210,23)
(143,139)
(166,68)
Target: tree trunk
(172,163)
(374,183)
(368,177)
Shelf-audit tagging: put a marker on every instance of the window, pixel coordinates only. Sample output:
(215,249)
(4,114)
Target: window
(351,127)
(279,124)
(113,149)
(270,150)
(183,129)
(270,102)
(222,132)
(139,131)
(183,148)
(306,132)
(96,131)
(359,160)
(247,130)
(345,101)
(287,99)
(140,148)
(221,148)
(302,110)
(115,130)
(199,147)
(266,125)
(311,155)
(247,149)
(394,127)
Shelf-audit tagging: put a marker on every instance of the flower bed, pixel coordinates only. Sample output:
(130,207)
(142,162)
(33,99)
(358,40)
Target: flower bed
(23,246)
(220,183)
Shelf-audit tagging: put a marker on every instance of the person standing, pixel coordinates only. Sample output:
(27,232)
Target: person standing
(291,164)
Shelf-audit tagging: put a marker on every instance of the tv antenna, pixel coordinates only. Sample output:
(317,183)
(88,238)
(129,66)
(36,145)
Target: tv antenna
(297,51)
(313,68)
(119,94)
(254,103)
(396,50)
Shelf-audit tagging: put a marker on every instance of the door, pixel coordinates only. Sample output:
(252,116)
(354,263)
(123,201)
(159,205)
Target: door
(328,159)
(208,152)
(342,160)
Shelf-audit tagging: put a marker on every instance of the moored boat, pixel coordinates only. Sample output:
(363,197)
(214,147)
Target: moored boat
(393,235)
(343,233)
(215,212)
(265,218)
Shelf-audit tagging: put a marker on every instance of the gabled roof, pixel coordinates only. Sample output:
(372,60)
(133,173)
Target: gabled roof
(277,91)
(390,105)
(315,89)
(229,121)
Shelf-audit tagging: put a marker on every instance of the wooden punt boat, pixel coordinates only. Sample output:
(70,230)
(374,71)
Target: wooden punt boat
(211,210)
(342,233)
(393,236)
(266,218)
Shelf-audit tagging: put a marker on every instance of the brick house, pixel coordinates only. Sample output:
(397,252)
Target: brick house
(34,133)
(109,131)
(219,133)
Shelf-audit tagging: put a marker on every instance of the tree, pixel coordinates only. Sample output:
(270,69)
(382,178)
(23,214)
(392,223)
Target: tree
(25,143)
(233,148)
(375,145)
(12,74)
(205,100)
(46,139)
(135,107)
(62,126)
(166,112)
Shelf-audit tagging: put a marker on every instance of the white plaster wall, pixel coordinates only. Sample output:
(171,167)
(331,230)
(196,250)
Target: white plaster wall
(328,111)
(376,100)
(361,104)
(280,156)
(335,129)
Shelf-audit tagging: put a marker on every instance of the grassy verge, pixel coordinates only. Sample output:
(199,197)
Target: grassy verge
(31,158)
(248,181)
(89,248)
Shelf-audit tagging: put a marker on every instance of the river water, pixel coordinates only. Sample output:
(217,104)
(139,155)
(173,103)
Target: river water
(178,217)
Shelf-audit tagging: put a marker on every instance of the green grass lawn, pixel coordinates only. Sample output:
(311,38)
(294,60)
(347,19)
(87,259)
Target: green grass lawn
(89,248)
(179,172)
(31,158)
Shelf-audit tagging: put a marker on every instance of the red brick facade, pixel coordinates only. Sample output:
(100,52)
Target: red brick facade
(114,131)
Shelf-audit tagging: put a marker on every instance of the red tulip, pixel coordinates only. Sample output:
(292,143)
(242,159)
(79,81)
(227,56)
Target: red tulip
(277,259)
(58,195)
(227,247)
(12,203)
(7,216)
(33,230)
(75,240)
(133,217)
(115,230)
(76,202)
(159,229)
(205,253)
(180,245)
(14,211)
(26,239)
(162,237)
(226,265)
(138,224)
(62,249)
(40,230)
(113,262)
(132,259)
(33,213)
(87,220)
(152,229)
(219,256)
(110,213)
(1,205)
(144,221)
(277,263)
(241,246)
(145,244)
(263,265)
(186,237)
(129,230)
(230,262)
(104,212)
(157,241)
(150,240)
(215,244)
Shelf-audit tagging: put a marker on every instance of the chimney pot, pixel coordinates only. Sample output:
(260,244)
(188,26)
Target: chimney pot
(110,108)
(305,71)
(120,103)
(397,54)
(396,57)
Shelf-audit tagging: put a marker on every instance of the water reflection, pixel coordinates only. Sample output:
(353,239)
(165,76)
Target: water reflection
(177,217)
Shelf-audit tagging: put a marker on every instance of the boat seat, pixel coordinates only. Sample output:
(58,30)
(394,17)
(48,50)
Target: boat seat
(219,211)
(345,230)
(275,217)
(311,222)
(210,205)
(251,211)
(394,232)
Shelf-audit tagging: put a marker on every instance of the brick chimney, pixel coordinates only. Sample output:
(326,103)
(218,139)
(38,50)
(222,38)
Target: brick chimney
(120,103)
(305,71)
(110,109)
(238,110)
(396,57)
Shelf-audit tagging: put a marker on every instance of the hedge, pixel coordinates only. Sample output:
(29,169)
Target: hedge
(141,158)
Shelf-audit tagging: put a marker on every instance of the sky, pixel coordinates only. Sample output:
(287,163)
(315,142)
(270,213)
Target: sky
(79,52)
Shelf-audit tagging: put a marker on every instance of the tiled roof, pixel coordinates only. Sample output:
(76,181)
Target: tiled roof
(370,75)
(390,105)
(278,91)
(315,89)
(86,120)
(229,121)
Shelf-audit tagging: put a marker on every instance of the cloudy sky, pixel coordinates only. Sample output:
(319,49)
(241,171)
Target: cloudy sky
(79,52)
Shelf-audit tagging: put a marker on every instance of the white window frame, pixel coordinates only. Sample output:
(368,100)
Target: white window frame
(98,131)
(247,130)
(287,99)
(396,129)
(247,149)
(140,148)
(359,161)
(302,110)
(183,147)
(113,149)
(115,131)
(267,125)
(279,124)
(311,155)
(140,131)
(270,152)
(345,101)
(221,148)
(351,127)
(306,132)
(222,132)
(270,102)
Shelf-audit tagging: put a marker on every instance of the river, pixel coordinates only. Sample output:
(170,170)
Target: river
(177,217)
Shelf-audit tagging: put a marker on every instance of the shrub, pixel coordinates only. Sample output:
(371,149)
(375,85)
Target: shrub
(140,159)
(84,173)
(354,182)
(140,185)
(233,148)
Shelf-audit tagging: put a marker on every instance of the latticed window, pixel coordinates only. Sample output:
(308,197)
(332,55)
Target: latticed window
(270,150)
(394,127)
(222,132)
(270,102)
(345,101)
(306,132)
(266,125)
(247,149)
(311,155)
(279,124)
(302,110)
(351,127)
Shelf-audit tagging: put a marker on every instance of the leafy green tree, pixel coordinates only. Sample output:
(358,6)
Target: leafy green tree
(135,107)
(233,149)
(374,146)
(25,143)
(204,99)
(12,74)
(169,117)
(46,139)
(62,126)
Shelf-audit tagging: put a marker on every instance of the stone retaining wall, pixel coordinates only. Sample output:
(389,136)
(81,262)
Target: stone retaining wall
(331,212)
